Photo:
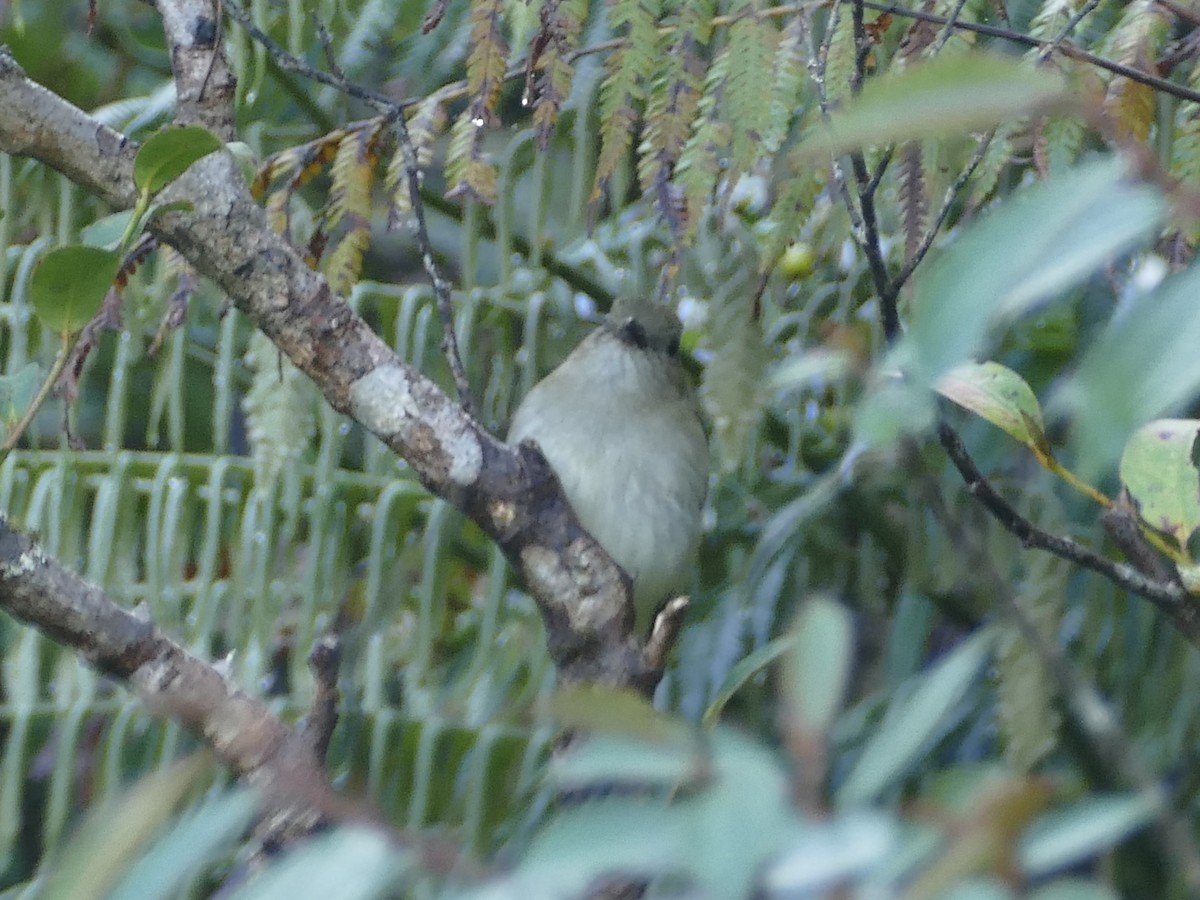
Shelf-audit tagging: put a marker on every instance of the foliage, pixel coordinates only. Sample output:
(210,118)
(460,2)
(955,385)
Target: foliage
(854,703)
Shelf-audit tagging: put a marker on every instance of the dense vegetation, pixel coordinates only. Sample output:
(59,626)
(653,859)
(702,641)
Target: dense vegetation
(935,270)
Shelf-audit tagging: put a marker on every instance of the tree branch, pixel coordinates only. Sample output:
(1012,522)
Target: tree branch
(511,493)
(1168,596)
(394,112)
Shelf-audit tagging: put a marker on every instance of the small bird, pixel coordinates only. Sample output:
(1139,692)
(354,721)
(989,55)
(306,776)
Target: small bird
(619,423)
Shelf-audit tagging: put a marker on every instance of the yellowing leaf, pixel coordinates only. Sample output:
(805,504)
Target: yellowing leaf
(1001,396)
(1158,469)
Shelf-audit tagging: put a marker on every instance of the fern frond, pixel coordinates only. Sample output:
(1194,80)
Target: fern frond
(1050,18)
(839,60)
(280,410)
(733,379)
(343,266)
(426,124)
(623,89)
(792,205)
(486,61)
(747,94)
(1057,143)
(1135,42)
(353,173)
(561,24)
(468,170)
(787,83)
(987,174)
(914,197)
(670,111)
(700,163)
(1027,717)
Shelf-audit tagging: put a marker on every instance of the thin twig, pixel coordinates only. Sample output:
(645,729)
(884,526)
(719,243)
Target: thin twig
(1090,713)
(1067,49)
(867,185)
(458,90)
(60,362)
(1067,29)
(821,54)
(947,29)
(327,46)
(1169,597)
(393,112)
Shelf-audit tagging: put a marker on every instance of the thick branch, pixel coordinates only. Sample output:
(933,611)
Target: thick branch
(170,681)
(512,494)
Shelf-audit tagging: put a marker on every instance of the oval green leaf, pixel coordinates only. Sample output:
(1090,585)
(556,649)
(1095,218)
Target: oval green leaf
(1000,396)
(913,724)
(69,285)
(1090,827)
(167,155)
(107,231)
(949,95)
(1158,469)
(817,671)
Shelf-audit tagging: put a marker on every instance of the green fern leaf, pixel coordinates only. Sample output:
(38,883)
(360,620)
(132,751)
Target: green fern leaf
(1027,717)
(425,125)
(486,61)
(839,61)
(469,171)
(733,379)
(787,83)
(623,89)
(747,93)
(1057,143)
(561,24)
(280,410)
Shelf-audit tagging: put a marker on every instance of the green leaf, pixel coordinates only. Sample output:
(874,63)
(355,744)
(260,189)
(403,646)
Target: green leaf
(911,725)
(1041,242)
(579,844)
(352,863)
(892,409)
(949,95)
(603,709)
(601,760)
(159,210)
(17,392)
(825,856)
(1159,470)
(745,669)
(116,833)
(69,284)
(1074,889)
(168,154)
(743,819)
(107,231)
(1143,365)
(1000,396)
(1092,826)
(817,671)
(188,847)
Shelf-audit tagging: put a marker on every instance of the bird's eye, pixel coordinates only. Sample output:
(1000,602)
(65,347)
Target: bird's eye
(634,333)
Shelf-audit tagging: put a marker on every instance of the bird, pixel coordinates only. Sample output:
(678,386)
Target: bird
(619,423)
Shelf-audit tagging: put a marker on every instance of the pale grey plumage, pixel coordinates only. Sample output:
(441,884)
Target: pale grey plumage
(619,422)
